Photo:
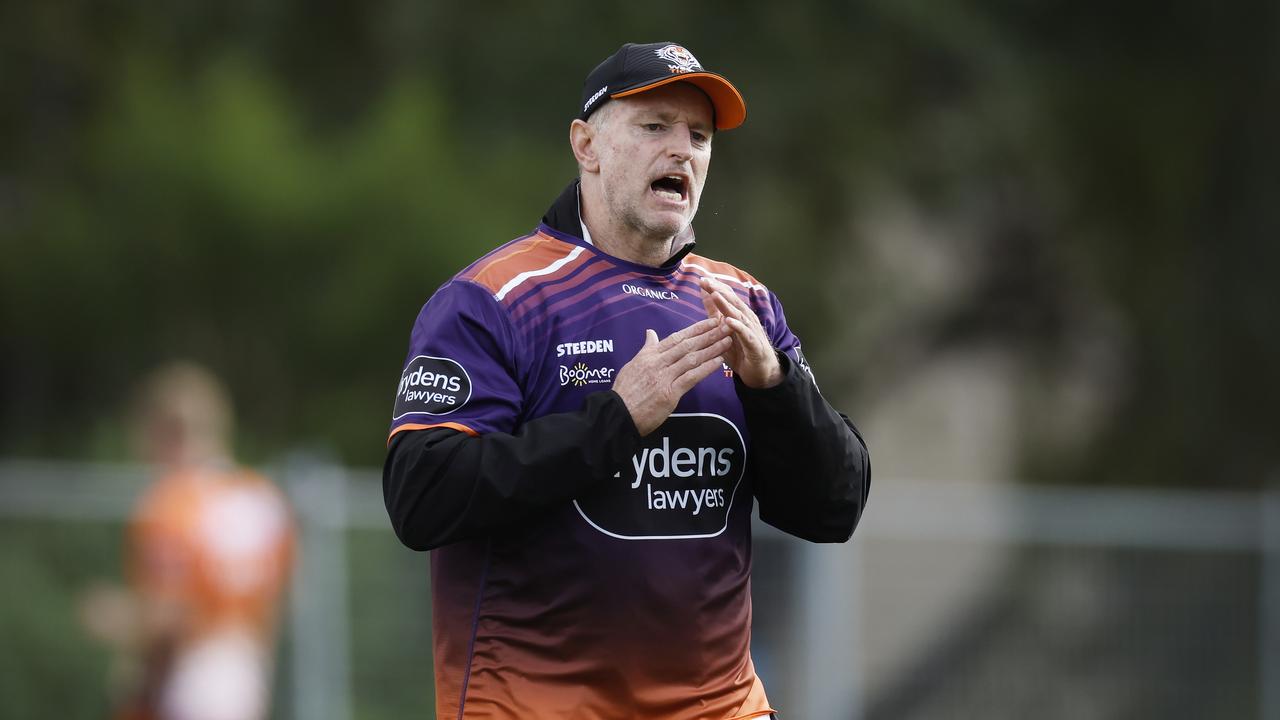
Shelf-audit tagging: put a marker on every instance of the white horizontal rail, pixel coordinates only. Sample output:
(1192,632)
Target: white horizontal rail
(899,509)
(1157,518)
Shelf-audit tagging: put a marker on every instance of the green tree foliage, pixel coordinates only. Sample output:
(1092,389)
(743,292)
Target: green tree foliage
(274,189)
(210,223)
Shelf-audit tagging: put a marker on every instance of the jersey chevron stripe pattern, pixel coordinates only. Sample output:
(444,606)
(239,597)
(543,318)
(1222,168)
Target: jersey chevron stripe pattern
(516,281)
(747,282)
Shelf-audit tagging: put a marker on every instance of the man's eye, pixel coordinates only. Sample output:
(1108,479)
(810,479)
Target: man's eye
(653,127)
(699,138)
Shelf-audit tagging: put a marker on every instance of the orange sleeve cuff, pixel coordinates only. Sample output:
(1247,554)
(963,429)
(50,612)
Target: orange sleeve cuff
(418,426)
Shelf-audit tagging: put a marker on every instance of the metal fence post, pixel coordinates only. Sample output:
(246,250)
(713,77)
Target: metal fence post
(320,681)
(830,610)
(1269,606)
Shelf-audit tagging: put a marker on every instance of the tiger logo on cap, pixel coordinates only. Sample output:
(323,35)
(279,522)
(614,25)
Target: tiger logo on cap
(683,60)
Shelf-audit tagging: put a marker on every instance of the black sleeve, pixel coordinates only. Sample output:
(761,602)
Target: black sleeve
(811,467)
(441,486)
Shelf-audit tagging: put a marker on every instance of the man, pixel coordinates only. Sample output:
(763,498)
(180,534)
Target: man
(584,418)
(211,548)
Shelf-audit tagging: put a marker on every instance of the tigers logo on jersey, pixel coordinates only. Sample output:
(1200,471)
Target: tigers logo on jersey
(683,60)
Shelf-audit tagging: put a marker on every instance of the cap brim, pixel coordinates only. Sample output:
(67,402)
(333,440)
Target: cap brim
(731,109)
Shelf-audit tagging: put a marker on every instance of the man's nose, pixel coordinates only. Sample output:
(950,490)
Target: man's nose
(680,142)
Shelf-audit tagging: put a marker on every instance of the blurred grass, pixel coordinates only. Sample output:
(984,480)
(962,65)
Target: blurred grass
(49,666)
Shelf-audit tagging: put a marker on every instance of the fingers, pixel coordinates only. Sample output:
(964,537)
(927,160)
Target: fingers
(707,332)
(650,338)
(698,372)
(725,308)
(744,325)
(694,330)
(738,330)
(715,350)
(708,302)
(757,365)
(725,301)
(743,332)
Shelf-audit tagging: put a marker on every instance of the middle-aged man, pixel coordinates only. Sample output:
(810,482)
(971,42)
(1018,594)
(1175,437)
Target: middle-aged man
(583,420)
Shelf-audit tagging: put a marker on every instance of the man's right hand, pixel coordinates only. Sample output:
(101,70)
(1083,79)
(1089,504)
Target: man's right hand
(653,381)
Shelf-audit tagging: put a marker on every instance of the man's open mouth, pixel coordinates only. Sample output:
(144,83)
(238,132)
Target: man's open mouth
(670,187)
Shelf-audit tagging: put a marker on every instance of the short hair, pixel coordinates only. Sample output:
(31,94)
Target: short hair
(602,114)
(599,118)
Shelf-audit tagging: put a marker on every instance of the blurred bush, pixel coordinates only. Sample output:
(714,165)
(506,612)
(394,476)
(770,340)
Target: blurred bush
(274,190)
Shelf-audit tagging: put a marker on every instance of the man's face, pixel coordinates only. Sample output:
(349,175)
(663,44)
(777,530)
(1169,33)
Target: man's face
(654,150)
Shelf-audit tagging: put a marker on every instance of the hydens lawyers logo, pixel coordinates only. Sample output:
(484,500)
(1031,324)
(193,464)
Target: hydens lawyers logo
(680,484)
(431,385)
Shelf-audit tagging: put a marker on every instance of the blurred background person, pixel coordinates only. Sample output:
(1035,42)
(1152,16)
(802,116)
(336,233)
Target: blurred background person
(210,549)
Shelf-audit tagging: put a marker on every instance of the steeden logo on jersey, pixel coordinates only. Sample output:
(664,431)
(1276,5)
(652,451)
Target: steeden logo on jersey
(585,347)
(580,374)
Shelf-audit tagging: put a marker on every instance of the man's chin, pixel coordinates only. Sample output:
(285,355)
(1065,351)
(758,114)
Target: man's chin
(667,225)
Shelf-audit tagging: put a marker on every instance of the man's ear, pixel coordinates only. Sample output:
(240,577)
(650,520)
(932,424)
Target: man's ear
(582,139)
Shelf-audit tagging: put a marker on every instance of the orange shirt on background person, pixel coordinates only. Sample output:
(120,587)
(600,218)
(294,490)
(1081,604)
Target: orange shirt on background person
(211,551)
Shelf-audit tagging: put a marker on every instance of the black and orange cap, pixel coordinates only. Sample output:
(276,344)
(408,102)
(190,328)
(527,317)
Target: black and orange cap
(637,68)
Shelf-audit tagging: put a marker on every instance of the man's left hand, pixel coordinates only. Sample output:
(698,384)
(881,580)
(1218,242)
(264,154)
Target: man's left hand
(751,355)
